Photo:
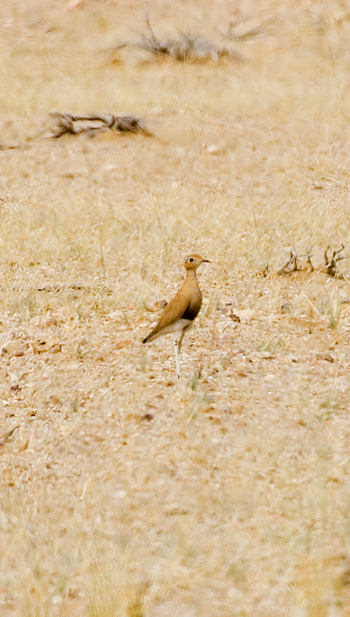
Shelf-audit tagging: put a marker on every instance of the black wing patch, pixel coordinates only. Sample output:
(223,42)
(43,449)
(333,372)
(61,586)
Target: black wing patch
(191,312)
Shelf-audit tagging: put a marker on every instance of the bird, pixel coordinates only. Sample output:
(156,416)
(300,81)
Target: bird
(180,313)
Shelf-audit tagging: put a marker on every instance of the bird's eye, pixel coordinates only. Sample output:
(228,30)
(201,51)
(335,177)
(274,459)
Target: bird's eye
(190,259)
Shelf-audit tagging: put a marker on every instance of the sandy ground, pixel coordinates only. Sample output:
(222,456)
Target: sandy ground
(123,491)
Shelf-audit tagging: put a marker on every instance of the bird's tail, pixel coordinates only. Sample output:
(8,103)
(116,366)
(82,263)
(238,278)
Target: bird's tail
(152,336)
(149,338)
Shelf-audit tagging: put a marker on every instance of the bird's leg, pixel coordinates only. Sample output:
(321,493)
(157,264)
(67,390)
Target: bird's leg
(178,342)
(177,357)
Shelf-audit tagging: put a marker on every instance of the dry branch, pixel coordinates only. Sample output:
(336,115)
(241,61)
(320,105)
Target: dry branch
(309,262)
(91,124)
(291,265)
(331,266)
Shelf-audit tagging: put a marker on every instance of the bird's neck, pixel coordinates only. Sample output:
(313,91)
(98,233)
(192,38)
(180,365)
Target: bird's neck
(191,275)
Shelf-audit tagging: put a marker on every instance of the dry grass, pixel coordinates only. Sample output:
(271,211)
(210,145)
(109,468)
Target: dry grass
(124,493)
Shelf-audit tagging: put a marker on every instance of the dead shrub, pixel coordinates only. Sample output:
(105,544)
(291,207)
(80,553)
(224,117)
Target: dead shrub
(92,124)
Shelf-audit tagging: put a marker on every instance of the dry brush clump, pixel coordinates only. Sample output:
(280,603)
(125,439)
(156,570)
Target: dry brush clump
(183,48)
(330,267)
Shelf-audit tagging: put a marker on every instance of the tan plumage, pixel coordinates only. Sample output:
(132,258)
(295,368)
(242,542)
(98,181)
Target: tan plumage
(181,311)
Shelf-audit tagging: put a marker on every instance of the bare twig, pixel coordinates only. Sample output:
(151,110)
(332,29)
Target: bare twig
(242,29)
(308,261)
(148,24)
(57,288)
(331,266)
(232,35)
(312,304)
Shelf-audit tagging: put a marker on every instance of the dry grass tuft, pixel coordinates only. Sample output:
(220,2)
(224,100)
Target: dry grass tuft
(184,48)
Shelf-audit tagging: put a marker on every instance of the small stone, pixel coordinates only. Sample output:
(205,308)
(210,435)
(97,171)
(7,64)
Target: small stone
(122,343)
(118,315)
(234,408)
(208,408)
(324,356)
(155,306)
(286,308)
(13,349)
(48,345)
(15,388)
(119,496)
(270,377)
(213,149)
(248,315)
(266,355)
(147,416)
(235,317)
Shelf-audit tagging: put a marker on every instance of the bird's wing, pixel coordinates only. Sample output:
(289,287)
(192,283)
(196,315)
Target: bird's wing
(174,310)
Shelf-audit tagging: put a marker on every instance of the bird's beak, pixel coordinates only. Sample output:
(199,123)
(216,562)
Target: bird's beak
(206,261)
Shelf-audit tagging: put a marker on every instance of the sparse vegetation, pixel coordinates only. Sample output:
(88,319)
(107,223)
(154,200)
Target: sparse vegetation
(331,267)
(122,492)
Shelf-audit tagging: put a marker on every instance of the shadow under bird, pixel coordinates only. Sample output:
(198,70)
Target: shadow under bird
(180,313)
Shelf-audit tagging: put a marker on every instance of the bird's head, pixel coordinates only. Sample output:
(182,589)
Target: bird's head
(192,262)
